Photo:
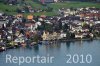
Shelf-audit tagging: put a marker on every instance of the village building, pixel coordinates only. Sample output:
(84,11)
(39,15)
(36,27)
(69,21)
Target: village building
(48,1)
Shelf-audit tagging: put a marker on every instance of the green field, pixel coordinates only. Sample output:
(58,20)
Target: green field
(12,9)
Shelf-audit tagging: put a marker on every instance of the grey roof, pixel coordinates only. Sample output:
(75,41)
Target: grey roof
(3,22)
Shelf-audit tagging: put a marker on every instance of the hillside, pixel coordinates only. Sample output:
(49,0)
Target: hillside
(11,9)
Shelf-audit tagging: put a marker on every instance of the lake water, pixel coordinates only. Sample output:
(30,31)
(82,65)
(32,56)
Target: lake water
(59,50)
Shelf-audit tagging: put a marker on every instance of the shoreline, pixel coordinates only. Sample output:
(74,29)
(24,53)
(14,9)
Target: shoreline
(76,39)
(46,42)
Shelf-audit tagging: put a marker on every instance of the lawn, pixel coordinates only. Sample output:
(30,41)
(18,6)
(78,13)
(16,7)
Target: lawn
(74,4)
(12,9)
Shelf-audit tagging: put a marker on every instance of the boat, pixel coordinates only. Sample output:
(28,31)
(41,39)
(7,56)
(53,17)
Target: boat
(2,48)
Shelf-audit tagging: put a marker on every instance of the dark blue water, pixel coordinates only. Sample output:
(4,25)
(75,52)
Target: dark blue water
(59,51)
